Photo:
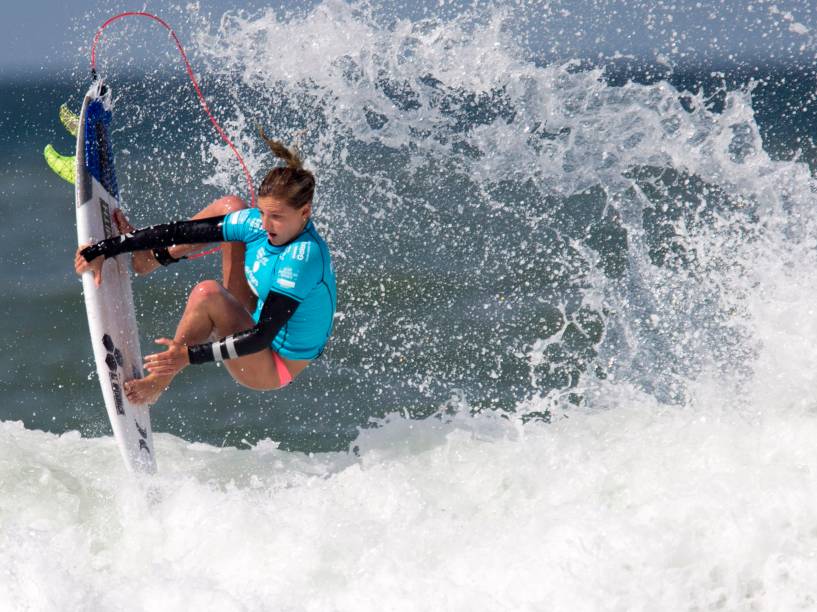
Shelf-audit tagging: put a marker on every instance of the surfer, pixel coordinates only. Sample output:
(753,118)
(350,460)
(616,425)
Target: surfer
(274,309)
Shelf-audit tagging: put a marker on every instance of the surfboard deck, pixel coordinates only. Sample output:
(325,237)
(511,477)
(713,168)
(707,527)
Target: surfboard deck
(110,308)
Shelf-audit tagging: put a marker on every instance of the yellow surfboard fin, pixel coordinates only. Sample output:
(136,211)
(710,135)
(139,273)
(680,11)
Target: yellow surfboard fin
(65,166)
(69,119)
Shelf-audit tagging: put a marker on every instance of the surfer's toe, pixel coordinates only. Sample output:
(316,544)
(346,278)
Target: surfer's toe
(146,390)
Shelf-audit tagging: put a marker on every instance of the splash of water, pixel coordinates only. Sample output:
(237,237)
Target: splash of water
(506,228)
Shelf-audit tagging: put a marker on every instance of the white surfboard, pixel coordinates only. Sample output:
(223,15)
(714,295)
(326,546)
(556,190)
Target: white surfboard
(111,315)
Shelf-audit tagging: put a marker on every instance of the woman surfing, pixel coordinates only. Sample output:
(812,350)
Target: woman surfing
(274,309)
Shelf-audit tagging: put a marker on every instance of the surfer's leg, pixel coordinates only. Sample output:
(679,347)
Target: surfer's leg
(211,309)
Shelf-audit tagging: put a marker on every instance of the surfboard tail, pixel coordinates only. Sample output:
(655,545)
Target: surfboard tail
(64,166)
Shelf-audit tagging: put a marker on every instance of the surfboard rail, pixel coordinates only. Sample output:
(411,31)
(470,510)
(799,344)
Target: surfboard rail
(110,308)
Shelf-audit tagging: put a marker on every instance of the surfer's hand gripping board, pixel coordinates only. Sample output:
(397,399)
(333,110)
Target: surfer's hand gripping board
(81,265)
(94,266)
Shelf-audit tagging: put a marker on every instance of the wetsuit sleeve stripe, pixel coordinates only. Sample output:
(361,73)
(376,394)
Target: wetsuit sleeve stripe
(229,342)
(216,350)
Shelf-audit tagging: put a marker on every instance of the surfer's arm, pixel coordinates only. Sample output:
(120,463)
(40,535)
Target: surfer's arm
(277,310)
(195,231)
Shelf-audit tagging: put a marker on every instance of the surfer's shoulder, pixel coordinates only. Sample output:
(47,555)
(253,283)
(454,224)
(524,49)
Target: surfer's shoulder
(243,224)
(245,216)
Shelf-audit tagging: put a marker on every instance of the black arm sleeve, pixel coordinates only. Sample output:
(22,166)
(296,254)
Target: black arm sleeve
(158,236)
(277,310)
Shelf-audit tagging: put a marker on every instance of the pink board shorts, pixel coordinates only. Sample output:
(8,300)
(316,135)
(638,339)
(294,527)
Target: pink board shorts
(284,377)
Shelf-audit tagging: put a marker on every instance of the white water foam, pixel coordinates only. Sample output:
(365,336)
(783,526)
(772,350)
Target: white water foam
(636,507)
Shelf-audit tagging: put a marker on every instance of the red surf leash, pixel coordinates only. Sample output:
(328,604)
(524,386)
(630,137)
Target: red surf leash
(204,105)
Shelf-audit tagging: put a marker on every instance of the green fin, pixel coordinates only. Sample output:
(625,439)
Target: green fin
(69,119)
(64,165)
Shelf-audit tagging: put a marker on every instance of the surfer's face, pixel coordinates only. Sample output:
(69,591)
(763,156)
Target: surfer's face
(282,222)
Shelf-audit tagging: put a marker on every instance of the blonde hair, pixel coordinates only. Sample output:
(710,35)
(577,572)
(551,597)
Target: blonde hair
(292,182)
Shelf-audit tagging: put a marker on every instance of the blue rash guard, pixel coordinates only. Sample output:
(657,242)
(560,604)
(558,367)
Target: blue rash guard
(301,270)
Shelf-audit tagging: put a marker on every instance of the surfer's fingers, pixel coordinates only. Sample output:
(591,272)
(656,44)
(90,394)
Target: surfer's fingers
(168,354)
(82,247)
(81,266)
(156,361)
(163,371)
(174,349)
(122,221)
(164,367)
(161,360)
(79,260)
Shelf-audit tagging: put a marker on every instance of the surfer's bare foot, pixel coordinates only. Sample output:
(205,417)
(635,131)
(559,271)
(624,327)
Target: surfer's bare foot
(146,390)
(143,261)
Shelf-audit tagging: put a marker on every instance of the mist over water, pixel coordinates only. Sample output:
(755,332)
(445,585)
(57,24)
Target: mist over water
(573,364)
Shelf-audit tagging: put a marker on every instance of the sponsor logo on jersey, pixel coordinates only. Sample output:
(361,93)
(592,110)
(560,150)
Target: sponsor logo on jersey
(300,251)
(261,259)
(287,277)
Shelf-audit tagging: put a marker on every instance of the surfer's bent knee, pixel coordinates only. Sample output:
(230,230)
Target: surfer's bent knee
(206,290)
(232,203)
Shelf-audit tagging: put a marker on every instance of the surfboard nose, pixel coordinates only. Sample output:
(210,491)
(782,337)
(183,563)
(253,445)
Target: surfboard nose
(64,166)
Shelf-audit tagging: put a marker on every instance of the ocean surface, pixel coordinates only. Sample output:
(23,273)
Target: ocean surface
(574,364)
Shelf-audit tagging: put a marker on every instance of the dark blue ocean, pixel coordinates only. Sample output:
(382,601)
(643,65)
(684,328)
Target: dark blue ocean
(574,343)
